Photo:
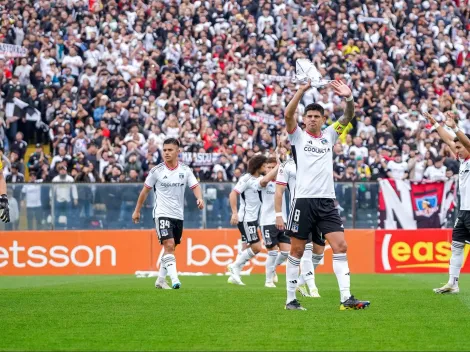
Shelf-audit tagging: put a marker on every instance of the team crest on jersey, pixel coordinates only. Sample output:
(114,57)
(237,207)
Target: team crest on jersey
(181,176)
(323,141)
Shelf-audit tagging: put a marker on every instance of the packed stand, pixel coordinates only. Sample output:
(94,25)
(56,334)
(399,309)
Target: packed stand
(105,82)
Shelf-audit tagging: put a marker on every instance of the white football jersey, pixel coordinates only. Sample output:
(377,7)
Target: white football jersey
(464,184)
(268,213)
(314,163)
(248,188)
(287,174)
(169,186)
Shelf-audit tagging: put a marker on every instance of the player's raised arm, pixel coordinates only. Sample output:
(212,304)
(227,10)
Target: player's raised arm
(460,135)
(445,136)
(344,91)
(271,175)
(289,114)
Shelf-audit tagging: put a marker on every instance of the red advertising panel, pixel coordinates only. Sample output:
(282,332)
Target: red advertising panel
(415,251)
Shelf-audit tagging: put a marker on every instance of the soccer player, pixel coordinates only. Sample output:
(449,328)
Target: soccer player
(460,146)
(313,205)
(168,181)
(4,207)
(313,253)
(274,239)
(246,218)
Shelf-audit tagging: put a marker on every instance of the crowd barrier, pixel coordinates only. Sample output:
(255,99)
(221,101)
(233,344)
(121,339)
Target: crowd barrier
(209,251)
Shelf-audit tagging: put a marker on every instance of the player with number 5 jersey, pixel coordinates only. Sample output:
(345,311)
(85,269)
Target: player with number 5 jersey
(169,180)
(313,205)
(249,188)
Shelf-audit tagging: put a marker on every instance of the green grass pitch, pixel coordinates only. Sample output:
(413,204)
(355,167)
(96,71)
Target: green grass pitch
(124,313)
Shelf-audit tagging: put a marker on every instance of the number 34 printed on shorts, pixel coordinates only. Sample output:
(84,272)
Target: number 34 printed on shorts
(164,226)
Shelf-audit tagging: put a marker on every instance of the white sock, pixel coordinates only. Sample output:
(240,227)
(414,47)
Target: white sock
(292,274)
(341,269)
(169,261)
(316,259)
(162,273)
(245,256)
(281,258)
(456,261)
(270,265)
(306,267)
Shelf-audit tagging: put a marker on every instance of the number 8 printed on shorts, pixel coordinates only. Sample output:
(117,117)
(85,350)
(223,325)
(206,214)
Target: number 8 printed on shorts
(296,215)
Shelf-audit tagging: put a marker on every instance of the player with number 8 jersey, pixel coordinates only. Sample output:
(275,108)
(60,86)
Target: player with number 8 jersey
(168,180)
(313,205)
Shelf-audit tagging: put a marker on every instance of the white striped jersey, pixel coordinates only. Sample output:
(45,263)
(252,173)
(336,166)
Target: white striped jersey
(464,184)
(248,187)
(169,186)
(268,214)
(287,174)
(314,163)
(286,177)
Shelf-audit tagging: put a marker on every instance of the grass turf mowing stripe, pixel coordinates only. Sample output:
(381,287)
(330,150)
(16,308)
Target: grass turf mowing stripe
(124,313)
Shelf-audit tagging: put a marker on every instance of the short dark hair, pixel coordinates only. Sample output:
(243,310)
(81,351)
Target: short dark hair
(173,141)
(271,160)
(456,139)
(256,163)
(315,107)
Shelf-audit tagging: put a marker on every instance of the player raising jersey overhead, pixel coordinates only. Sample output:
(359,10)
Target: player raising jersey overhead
(460,146)
(168,181)
(313,205)
(246,218)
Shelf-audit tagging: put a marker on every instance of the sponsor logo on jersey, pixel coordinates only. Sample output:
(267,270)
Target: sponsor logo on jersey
(316,150)
(172,184)
(165,177)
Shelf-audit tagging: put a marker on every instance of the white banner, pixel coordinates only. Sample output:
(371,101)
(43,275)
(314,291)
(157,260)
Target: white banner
(9,50)
(362,19)
(262,117)
(273,78)
(199,159)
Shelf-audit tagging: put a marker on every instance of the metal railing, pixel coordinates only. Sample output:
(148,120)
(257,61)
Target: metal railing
(110,206)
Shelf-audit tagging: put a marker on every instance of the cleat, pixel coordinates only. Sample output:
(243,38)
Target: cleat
(162,285)
(234,276)
(353,304)
(303,290)
(270,285)
(314,293)
(176,285)
(294,305)
(275,278)
(447,289)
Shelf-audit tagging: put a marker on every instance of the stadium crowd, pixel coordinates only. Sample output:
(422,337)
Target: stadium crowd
(105,82)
